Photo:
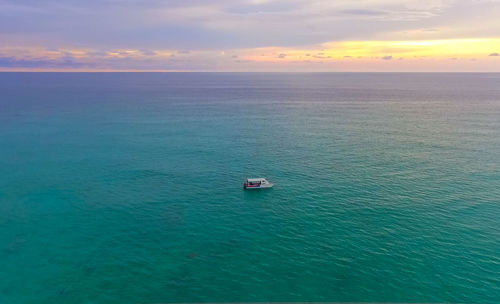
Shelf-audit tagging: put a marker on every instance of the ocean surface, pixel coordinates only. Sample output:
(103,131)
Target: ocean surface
(127,188)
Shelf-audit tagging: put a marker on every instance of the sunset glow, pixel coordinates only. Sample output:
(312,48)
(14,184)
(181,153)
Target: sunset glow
(247,35)
(437,49)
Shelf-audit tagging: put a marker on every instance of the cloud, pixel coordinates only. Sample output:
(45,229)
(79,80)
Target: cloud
(146,34)
(199,24)
(362,12)
(65,62)
(253,58)
(494,54)
(147,52)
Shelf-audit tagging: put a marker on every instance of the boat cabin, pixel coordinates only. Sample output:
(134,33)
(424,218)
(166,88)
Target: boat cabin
(256,183)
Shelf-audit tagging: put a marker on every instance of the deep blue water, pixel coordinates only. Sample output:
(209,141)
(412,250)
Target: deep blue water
(127,188)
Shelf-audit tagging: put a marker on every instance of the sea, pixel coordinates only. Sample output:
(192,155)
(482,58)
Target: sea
(128,187)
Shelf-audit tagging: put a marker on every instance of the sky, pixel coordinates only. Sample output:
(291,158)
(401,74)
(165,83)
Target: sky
(250,35)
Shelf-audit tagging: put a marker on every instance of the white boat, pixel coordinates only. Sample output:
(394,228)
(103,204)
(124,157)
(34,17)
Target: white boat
(257,183)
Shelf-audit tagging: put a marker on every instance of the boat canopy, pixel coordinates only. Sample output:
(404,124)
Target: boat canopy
(255,180)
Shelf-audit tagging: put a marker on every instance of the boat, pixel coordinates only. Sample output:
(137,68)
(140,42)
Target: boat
(257,183)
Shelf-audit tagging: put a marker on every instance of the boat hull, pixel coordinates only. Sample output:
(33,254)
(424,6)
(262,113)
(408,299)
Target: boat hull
(250,187)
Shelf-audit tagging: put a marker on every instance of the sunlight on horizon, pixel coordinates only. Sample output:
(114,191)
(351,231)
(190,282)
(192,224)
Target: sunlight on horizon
(438,49)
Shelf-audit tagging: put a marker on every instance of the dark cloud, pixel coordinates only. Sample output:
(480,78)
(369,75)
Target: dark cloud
(98,53)
(64,62)
(494,54)
(148,52)
(282,55)
(387,58)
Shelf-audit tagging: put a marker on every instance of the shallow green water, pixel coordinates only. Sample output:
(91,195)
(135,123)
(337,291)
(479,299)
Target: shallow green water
(127,188)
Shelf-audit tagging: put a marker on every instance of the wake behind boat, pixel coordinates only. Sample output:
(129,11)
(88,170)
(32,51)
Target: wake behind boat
(257,183)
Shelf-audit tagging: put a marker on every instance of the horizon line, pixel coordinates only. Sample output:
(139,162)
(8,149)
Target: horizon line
(254,72)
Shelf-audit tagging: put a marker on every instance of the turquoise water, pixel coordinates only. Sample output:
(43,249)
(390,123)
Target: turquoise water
(127,188)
